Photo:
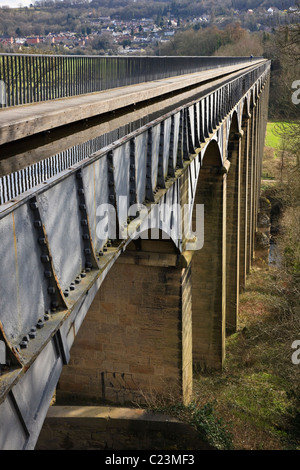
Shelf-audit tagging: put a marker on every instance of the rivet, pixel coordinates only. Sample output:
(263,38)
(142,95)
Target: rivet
(84,222)
(80,191)
(87,251)
(25,338)
(77,280)
(23,344)
(79,175)
(42,241)
(100,253)
(48,274)
(88,265)
(85,236)
(37,223)
(72,286)
(45,258)
(66,293)
(40,324)
(46,317)
(83,274)
(51,290)
(33,205)
(82,207)
(32,333)
(54,304)
(111,197)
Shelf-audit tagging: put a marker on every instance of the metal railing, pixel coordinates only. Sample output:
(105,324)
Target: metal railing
(225,97)
(31,78)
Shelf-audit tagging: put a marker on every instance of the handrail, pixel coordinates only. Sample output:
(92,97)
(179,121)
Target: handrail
(14,185)
(31,78)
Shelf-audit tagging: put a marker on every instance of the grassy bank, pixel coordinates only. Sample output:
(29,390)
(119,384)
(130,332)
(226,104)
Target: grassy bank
(256,394)
(273,140)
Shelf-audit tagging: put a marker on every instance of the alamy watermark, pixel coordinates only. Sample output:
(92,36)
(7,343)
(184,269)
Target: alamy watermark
(3,99)
(2,353)
(166,221)
(296,94)
(296,354)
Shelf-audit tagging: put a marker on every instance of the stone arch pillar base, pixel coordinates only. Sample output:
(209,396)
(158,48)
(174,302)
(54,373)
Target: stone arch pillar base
(135,345)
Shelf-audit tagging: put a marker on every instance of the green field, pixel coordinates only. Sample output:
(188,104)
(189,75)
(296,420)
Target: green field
(272,139)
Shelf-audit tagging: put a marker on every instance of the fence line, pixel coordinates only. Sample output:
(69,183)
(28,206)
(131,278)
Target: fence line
(31,78)
(21,181)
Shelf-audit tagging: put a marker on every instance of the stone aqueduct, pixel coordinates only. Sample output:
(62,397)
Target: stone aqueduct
(131,317)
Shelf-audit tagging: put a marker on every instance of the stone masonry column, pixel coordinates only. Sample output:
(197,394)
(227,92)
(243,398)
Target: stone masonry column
(256,162)
(244,200)
(233,232)
(209,273)
(250,190)
(135,344)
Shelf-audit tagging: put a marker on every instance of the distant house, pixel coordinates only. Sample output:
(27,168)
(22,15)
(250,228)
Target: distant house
(31,41)
(20,40)
(6,41)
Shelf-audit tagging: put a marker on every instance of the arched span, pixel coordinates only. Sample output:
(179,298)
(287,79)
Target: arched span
(208,288)
(211,161)
(233,128)
(254,93)
(245,110)
(212,156)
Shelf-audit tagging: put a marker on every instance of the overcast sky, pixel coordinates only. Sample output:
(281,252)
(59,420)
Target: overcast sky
(15,3)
